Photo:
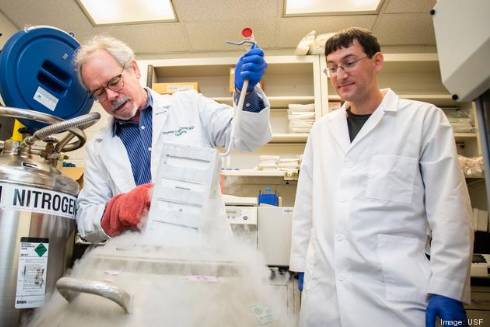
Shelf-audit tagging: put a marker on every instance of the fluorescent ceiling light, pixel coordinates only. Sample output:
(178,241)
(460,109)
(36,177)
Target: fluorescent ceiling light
(103,12)
(319,7)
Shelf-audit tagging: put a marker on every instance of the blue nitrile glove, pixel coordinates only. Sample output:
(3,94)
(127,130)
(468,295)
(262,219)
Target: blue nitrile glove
(250,66)
(301,277)
(447,309)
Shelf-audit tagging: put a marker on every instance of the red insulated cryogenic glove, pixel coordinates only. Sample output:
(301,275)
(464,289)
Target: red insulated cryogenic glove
(125,210)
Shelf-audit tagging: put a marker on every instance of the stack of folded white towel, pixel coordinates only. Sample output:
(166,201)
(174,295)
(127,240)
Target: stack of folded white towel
(272,162)
(460,120)
(288,164)
(301,117)
(268,162)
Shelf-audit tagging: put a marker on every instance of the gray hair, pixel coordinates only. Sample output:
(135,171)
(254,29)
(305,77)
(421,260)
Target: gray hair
(119,50)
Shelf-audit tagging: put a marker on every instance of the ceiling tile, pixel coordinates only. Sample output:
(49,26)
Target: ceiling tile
(410,6)
(210,11)
(205,25)
(212,36)
(291,30)
(405,29)
(143,38)
(65,15)
(150,38)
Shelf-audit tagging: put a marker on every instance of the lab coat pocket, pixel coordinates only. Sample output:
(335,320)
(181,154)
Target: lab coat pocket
(391,178)
(406,269)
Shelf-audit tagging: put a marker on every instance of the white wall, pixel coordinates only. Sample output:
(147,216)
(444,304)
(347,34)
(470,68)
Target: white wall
(7,28)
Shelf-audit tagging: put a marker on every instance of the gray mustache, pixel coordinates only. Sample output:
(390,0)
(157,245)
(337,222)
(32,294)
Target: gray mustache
(118,102)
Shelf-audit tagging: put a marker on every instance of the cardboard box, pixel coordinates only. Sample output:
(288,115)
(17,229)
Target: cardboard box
(75,173)
(168,88)
(232,80)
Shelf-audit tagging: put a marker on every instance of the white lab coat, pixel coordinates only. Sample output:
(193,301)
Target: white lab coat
(184,117)
(364,209)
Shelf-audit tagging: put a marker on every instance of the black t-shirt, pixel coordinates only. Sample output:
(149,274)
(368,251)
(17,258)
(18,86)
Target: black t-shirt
(355,123)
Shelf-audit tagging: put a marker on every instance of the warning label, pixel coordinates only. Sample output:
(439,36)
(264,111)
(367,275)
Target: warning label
(32,271)
(37,200)
(45,98)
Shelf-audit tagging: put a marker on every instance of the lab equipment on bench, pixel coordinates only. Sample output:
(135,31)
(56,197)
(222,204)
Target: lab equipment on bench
(37,202)
(243,223)
(241,213)
(480,265)
(268,197)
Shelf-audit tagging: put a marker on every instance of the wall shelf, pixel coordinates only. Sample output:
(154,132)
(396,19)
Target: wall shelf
(465,136)
(252,173)
(289,137)
(277,102)
(286,175)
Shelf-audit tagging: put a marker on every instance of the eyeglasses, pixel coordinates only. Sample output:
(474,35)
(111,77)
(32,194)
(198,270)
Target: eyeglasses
(114,84)
(347,66)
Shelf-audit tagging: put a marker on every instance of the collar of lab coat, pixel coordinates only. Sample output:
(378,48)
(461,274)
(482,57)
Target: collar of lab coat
(338,121)
(160,105)
(389,102)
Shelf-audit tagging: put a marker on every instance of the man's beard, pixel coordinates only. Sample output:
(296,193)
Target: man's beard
(121,102)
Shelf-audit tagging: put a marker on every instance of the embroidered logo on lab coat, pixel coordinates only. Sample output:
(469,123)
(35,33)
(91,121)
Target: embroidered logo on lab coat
(180,131)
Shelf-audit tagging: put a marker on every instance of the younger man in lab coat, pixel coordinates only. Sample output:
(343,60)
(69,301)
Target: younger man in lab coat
(379,175)
(122,159)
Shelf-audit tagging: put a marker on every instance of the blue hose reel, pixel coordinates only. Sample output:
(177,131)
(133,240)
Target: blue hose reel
(37,73)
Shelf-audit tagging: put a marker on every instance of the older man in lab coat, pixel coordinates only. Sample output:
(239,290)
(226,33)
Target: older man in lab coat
(381,224)
(121,160)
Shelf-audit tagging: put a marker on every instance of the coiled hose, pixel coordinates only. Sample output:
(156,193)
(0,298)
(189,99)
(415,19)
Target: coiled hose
(74,126)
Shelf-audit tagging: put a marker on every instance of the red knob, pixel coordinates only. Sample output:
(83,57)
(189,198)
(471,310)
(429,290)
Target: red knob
(247,32)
